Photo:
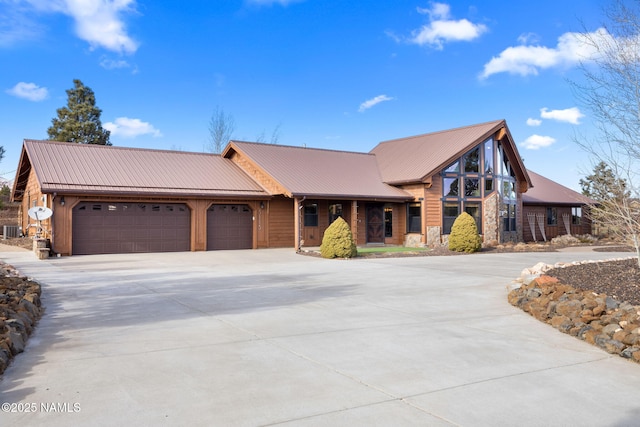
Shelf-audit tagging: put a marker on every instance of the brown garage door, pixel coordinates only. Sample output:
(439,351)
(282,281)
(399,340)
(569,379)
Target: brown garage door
(229,227)
(109,228)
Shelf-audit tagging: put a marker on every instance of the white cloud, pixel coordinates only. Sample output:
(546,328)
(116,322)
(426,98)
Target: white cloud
(130,128)
(528,38)
(271,2)
(533,122)
(441,28)
(99,22)
(572,48)
(30,91)
(373,101)
(112,64)
(535,142)
(569,115)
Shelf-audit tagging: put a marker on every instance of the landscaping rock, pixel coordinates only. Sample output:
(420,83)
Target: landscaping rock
(20,310)
(598,319)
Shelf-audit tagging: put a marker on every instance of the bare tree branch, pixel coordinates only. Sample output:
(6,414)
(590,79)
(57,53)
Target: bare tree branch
(221,128)
(611,93)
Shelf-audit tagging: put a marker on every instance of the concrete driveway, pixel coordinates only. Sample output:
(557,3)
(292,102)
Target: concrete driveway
(269,337)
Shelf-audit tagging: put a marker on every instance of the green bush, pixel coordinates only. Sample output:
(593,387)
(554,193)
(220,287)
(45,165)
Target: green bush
(338,241)
(464,235)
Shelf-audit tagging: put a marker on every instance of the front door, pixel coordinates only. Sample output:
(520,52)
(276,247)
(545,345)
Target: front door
(375,223)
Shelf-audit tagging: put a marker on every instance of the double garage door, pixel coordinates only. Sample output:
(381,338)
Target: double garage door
(109,228)
(105,228)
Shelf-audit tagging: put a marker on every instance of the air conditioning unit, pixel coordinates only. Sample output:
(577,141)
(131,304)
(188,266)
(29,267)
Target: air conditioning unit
(9,231)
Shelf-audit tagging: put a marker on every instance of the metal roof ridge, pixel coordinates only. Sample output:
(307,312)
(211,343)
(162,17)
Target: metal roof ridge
(118,147)
(302,148)
(494,122)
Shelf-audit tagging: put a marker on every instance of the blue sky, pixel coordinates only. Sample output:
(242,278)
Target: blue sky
(329,74)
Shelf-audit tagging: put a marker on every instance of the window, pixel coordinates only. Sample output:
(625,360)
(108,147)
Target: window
(509,217)
(388,221)
(473,209)
(576,215)
(552,216)
(454,168)
(335,211)
(311,215)
(450,212)
(488,186)
(451,187)
(414,218)
(472,187)
(488,157)
(472,160)
(465,182)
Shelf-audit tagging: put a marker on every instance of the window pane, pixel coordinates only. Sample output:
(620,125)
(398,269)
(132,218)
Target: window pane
(455,167)
(488,185)
(472,187)
(450,209)
(311,215)
(472,160)
(473,209)
(499,160)
(488,157)
(335,211)
(388,221)
(576,215)
(552,216)
(413,218)
(451,187)
(450,213)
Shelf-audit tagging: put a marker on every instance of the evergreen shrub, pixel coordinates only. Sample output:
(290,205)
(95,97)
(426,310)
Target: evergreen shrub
(464,235)
(338,241)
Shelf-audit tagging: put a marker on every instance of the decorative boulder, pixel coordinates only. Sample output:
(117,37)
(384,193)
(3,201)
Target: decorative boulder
(338,241)
(464,235)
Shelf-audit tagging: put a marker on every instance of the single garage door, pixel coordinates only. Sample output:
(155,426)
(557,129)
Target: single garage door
(229,227)
(109,228)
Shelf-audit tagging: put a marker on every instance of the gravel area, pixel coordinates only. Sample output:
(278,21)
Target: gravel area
(617,279)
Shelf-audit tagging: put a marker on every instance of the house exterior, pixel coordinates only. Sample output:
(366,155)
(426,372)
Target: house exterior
(551,210)
(405,191)
(474,169)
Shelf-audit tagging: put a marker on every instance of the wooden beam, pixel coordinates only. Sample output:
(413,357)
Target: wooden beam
(500,134)
(297,220)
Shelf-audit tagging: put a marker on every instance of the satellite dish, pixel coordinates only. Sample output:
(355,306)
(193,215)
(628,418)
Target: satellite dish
(40,213)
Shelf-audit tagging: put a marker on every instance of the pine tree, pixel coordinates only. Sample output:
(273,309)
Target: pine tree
(79,121)
(603,184)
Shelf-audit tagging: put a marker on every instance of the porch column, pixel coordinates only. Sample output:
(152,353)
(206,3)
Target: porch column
(354,220)
(297,222)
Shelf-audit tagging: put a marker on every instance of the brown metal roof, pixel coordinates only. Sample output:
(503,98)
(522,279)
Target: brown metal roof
(416,158)
(79,168)
(546,191)
(322,173)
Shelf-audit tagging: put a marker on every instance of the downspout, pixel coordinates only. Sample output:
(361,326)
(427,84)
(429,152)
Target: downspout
(300,206)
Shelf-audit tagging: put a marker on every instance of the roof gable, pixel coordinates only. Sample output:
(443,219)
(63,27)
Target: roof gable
(316,172)
(546,191)
(81,168)
(416,158)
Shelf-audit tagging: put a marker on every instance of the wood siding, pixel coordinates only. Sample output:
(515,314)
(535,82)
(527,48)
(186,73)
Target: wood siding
(258,175)
(281,223)
(34,197)
(552,231)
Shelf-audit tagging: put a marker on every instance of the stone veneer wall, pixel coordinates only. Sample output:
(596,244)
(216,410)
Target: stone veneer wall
(434,236)
(413,240)
(490,209)
(595,318)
